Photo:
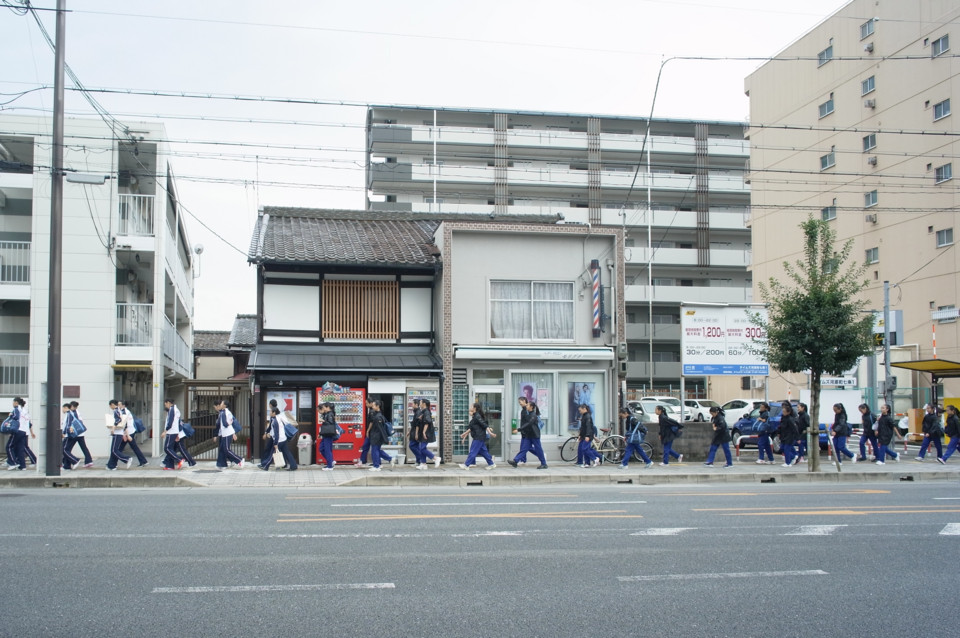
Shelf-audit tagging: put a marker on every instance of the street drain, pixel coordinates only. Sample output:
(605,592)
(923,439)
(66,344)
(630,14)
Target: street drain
(474,483)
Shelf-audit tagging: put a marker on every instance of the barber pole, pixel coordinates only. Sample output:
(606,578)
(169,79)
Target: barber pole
(595,274)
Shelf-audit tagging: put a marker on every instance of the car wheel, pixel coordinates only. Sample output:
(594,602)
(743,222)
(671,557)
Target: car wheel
(700,417)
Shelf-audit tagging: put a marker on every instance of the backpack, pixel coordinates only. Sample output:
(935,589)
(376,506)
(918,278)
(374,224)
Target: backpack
(637,433)
(339,432)
(138,426)
(290,430)
(539,423)
(236,426)
(186,428)
(388,427)
(9,426)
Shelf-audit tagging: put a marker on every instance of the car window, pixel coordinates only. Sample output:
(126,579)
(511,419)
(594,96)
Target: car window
(709,404)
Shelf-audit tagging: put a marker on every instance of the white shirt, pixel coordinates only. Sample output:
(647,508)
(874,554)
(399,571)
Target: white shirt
(126,420)
(175,427)
(226,430)
(24,419)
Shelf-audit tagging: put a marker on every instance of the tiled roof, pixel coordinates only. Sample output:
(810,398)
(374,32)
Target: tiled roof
(359,238)
(210,340)
(244,333)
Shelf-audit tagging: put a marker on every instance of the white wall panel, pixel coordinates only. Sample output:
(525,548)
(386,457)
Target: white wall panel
(291,307)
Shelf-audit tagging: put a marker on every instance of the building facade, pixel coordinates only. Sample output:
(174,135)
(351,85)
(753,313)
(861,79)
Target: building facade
(680,199)
(127,299)
(852,124)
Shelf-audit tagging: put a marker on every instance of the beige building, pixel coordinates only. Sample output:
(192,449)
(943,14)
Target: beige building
(852,123)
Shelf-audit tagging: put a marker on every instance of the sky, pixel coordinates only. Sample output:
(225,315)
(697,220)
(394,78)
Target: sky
(231,156)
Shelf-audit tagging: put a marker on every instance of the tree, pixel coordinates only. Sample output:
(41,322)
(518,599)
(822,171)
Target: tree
(817,324)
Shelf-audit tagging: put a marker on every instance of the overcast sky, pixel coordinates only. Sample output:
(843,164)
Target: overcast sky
(597,57)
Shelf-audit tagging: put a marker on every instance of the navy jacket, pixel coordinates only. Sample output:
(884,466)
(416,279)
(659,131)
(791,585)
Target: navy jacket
(885,429)
(528,425)
(478,427)
(721,434)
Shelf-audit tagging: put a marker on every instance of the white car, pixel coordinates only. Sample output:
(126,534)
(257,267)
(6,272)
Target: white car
(698,409)
(737,408)
(670,402)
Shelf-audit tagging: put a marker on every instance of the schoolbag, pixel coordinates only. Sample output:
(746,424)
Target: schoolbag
(388,426)
(637,433)
(596,432)
(138,426)
(339,432)
(237,427)
(539,422)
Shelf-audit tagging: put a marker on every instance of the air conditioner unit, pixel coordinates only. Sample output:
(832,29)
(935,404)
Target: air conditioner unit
(872,160)
(868,47)
(870,104)
(872,218)
(757,383)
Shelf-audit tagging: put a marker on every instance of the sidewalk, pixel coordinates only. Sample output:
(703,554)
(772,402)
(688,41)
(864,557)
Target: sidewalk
(205,474)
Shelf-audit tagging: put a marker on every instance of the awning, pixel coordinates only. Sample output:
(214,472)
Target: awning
(535,354)
(939,368)
(369,358)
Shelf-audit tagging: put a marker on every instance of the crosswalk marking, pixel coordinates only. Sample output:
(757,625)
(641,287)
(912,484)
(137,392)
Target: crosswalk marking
(662,531)
(814,530)
(952,529)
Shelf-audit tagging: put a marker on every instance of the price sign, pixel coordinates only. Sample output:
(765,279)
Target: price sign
(715,340)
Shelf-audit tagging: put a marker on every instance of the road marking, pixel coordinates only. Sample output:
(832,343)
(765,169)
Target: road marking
(814,530)
(651,493)
(408,495)
(946,498)
(662,531)
(832,512)
(317,518)
(463,504)
(952,529)
(263,588)
(720,576)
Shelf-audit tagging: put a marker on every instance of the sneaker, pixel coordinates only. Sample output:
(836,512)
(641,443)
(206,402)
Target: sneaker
(853,459)
(728,465)
(436,461)
(88,465)
(941,461)
(144,464)
(799,460)
(541,467)
(179,464)
(167,469)
(623,467)
(129,463)
(294,469)
(75,465)
(521,462)
(650,464)
(709,464)
(578,465)
(463,467)
(680,459)
(787,465)
(422,466)
(240,464)
(664,464)
(919,458)
(112,469)
(359,465)
(393,461)
(896,459)
(326,469)
(880,463)
(860,458)
(761,462)
(491,466)
(512,463)
(374,469)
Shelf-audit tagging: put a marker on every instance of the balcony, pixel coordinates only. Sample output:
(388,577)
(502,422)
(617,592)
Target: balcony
(135,215)
(661,332)
(180,277)
(14,270)
(688,256)
(134,324)
(177,353)
(13,373)
(661,370)
(681,294)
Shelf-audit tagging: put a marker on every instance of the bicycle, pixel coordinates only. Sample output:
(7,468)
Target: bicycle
(610,446)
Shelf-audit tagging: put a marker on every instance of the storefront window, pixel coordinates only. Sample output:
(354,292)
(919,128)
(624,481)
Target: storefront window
(582,387)
(488,377)
(537,387)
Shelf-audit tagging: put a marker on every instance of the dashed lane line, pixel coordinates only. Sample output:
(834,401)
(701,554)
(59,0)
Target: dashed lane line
(720,576)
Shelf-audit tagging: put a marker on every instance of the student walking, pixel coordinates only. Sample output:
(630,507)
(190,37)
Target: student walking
(721,437)
(529,436)
(171,431)
(803,425)
(365,448)
(869,426)
(669,431)
(68,461)
(279,435)
(634,431)
(586,455)
(953,431)
(327,432)
(425,435)
(841,430)
(885,431)
(932,432)
(81,438)
(377,436)
(763,437)
(17,446)
(478,430)
(225,435)
(116,445)
(129,430)
(788,433)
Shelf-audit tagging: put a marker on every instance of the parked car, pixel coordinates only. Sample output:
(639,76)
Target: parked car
(648,411)
(673,404)
(699,409)
(737,408)
(745,430)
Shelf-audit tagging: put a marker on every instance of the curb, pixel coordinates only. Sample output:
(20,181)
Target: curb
(98,482)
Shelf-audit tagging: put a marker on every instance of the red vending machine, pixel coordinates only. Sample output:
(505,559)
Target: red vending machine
(350,405)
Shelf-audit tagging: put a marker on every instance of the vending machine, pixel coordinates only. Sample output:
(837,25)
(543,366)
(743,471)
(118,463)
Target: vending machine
(350,405)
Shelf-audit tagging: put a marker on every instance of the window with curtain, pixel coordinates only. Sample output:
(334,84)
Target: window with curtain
(531,310)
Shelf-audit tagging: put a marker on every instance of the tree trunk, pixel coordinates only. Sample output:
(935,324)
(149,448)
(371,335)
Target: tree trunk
(813,433)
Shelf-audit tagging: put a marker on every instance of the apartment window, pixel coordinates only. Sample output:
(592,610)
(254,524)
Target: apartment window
(941,110)
(666,357)
(943,173)
(868,85)
(944,237)
(873,255)
(662,281)
(828,160)
(828,213)
(952,319)
(629,242)
(433,200)
(870,199)
(869,142)
(827,107)
(866,29)
(531,310)
(664,319)
(631,317)
(940,46)
(825,56)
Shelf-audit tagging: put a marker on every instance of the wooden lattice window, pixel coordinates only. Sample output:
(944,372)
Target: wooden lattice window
(361,309)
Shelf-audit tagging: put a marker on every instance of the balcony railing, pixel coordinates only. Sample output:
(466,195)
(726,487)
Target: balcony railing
(175,348)
(14,262)
(134,324)
(135,215)
(13,373)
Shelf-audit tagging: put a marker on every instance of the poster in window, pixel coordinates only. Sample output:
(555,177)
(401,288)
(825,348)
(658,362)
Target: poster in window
(543,402)
(580,392)
(527,390)
(286,403)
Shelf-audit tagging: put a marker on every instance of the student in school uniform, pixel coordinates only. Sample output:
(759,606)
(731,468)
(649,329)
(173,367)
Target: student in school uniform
(18,447)
(803,424)
(633,431)
(841,430)
(377,435)
(953,431)
(279,436)
(428,434)
(116,445)
(171,431)
(869,427)
(81,439)
(763,437)
(885,429)
(68,461)
(932,433)
(529,435)
(365,448)
(586,455)
(226,434)
(721,437)
(788,433)
(478,430)
(129,430)
(328,432)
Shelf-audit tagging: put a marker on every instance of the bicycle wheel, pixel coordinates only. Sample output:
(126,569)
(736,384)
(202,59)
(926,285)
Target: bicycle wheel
(568,451)
(612,448)
(647,449)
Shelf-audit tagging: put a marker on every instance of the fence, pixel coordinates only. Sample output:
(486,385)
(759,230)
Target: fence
(14,262)
(135,215)
(134,324)
(13,373)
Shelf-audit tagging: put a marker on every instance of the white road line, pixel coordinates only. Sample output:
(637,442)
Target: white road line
(946,498)
(814,530)
(479,534)
(262,588)
(662,531)
(952,529)
(720,576)
(462,504)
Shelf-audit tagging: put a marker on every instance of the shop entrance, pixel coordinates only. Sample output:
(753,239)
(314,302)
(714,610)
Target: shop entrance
(491,400)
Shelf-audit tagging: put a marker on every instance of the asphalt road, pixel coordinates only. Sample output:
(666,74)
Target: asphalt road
(740,560)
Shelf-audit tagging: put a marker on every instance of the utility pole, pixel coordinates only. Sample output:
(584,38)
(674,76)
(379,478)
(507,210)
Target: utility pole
(889,381)
(52,430)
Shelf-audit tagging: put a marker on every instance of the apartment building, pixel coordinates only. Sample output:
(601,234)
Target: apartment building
(127,301)
(681,200)
(852,124)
